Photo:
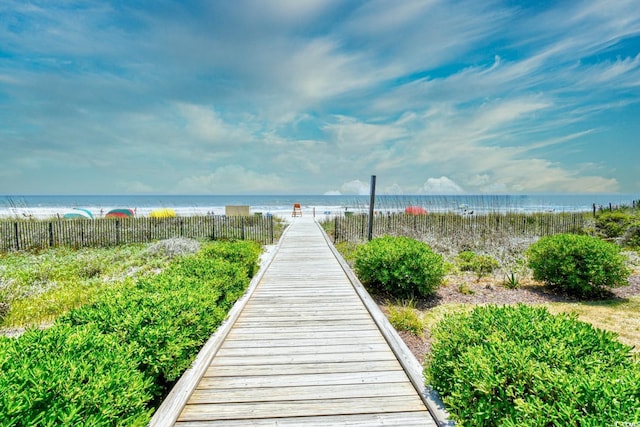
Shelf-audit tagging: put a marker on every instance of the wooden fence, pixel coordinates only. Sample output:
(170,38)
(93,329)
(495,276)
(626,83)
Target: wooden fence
(40,234)
(355,227)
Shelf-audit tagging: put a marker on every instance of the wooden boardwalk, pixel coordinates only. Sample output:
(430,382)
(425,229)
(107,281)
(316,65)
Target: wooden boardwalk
(302,350)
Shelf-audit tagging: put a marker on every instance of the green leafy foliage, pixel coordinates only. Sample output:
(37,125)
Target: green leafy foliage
(511,281)
(613,224)
(43,285)
(110,362)
(481,265)
(622,224)
(631,236)
(580,265)
(71,376)
(405,317)
(399,266)
(522,366)
(244,253)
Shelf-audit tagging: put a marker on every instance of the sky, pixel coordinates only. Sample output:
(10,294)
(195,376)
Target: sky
(316,96)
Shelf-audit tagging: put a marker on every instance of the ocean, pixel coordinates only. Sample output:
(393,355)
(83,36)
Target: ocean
(51,206)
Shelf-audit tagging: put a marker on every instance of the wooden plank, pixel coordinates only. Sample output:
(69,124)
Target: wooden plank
(252,334)
(276,304)
(371,378)
(303,358)
(314,342)
(312,328)
(402,419)
(303,368)
(289,394)
(251,410)
(295,350)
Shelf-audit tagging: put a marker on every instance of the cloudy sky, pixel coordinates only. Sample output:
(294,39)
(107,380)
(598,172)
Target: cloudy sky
(315,96)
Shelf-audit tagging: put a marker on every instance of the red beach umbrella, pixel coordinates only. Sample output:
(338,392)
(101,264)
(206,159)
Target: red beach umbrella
(119,213)
(415,210)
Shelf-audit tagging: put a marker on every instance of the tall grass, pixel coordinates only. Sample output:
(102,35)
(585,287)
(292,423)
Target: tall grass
(39,287)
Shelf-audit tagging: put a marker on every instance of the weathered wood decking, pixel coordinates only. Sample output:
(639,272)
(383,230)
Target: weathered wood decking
(303,349)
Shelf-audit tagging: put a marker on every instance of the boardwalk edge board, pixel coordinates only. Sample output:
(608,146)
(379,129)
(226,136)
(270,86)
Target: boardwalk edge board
(407,360)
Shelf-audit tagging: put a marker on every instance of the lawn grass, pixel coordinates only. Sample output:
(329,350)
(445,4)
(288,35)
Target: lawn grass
(621,317)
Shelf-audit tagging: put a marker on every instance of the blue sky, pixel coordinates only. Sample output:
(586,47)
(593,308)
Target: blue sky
(315,96)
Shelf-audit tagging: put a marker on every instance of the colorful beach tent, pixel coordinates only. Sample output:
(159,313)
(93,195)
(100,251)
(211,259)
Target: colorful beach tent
(163,213)
(119,213)
(79,213)
(415,210)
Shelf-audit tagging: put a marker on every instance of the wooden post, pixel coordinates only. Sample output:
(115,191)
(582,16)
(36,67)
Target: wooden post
(50,234)
(271,231)
(15,227)
(372,202)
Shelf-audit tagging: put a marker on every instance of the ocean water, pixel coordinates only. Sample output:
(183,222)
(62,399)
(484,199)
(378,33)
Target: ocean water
(51,206)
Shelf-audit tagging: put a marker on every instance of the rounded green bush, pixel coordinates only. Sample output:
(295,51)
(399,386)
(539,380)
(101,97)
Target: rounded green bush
(399,266)
(482,265)
(580,265)
(522,366)
(613,224)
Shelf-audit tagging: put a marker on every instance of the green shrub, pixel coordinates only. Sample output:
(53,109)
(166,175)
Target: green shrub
(481,265)
(522,366)
(580,265)
(110,362)
(406,317)
(399,266)
(71,376)
(171,315)
(613,224)
(631,236)
(244,253)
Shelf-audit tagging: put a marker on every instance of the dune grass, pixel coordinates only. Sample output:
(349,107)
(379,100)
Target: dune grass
(40,286)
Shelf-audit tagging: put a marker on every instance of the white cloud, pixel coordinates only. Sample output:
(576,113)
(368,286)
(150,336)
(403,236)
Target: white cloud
(394,189)
(442,185)
(207,125)
(135,187)
(232,179)
(355,187)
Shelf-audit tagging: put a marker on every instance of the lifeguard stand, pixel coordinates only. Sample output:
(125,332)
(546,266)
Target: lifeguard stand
(297,210)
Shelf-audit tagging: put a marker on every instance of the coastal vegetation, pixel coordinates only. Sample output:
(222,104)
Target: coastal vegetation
(399,266)
(109,330)
(523,366)
(112,358)
(579,265)
(532,321)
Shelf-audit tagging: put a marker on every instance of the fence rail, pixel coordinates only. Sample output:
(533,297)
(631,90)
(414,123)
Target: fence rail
(40,234)
(355,227)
